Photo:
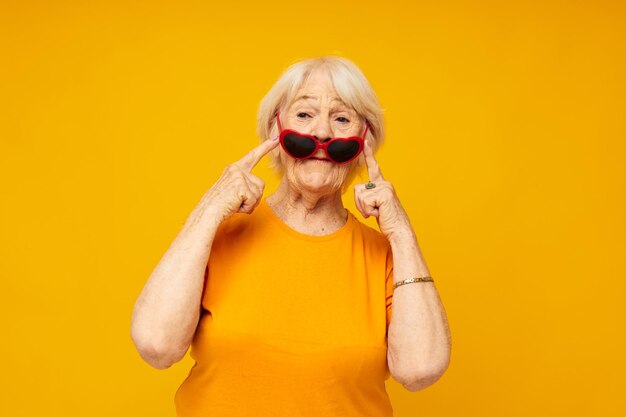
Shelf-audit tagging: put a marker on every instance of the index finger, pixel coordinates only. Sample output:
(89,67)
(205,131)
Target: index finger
(373,170)
(254,156)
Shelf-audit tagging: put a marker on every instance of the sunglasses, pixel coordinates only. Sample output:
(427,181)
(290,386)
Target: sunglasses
(302,146)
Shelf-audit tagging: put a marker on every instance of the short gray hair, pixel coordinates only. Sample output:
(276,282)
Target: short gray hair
(349,82)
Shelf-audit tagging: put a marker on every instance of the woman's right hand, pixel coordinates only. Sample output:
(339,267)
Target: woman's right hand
(238,190)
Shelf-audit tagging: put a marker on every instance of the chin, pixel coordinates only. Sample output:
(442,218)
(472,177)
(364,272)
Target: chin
(319,181)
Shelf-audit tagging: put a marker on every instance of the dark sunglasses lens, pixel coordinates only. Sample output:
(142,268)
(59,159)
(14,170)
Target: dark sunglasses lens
(342,151)
(299,146)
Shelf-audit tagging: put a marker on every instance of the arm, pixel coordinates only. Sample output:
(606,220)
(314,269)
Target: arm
(418,343)
(418,337)
(167,311)
(166,314)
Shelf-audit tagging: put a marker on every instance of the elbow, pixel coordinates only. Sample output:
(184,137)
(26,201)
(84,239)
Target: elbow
(418,380)
(157,358)
(159,355)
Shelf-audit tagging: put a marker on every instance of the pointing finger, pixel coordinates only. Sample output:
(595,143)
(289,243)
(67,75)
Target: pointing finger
(373,170)
(254,156)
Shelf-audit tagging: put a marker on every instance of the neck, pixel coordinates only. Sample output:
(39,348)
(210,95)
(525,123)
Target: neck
(306,211)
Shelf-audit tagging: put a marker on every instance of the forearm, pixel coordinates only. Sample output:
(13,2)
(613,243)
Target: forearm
(418,337)
(166,313)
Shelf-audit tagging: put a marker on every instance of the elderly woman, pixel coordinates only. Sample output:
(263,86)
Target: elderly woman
(286,301)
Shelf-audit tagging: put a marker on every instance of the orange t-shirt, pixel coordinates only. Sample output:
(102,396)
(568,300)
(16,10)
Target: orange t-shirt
(291,324)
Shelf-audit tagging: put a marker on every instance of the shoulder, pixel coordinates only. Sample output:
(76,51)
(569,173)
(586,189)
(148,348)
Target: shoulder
(236,225)
(371,236)
(376,246)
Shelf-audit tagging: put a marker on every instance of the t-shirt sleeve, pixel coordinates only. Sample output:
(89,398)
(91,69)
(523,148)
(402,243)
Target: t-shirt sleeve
(389,284)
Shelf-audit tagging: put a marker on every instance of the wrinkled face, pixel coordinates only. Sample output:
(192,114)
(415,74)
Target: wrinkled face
(317,110)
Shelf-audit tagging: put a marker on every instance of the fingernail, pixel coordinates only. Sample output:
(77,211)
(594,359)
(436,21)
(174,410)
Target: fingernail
(275,138)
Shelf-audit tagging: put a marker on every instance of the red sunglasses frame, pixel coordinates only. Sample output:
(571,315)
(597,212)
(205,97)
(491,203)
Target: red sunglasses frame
(318,145)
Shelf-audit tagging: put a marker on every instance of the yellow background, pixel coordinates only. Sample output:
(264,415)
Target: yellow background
(506,145)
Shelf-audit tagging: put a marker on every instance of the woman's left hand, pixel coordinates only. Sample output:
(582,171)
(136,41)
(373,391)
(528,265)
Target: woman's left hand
(381,201)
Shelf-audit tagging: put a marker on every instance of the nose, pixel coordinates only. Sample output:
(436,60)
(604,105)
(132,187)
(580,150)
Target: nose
(322,131)
(322,140)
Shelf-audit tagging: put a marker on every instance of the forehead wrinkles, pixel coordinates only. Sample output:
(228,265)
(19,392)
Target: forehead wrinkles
(335,101)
